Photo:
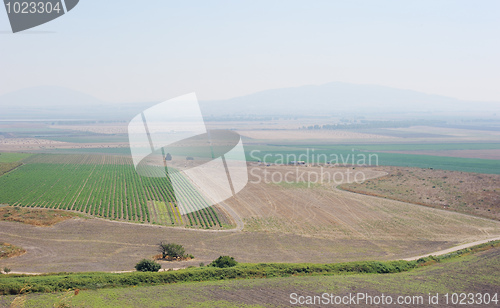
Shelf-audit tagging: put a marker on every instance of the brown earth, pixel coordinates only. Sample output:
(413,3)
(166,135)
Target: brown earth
(36,217)
(471,193)
(322,211)
(99,245)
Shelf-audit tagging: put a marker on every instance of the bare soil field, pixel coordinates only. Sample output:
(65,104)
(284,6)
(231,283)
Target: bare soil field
(471,193)
(322,211)
(100,245)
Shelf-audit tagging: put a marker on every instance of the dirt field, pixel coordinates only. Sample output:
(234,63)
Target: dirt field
(471,193)
(476,273)
(324,212)
(99,245)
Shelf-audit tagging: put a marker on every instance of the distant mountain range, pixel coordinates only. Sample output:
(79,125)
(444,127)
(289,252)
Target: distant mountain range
(336,98)
(344,98)
(59,103)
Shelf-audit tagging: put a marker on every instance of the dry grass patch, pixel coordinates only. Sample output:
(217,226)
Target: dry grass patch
(9,250)
(471,193)
(36,217)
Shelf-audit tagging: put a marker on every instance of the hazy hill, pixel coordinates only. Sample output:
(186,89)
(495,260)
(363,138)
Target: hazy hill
(50,102)
(339,98)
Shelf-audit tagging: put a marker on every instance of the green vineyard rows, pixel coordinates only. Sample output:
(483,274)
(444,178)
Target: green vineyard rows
(104,186)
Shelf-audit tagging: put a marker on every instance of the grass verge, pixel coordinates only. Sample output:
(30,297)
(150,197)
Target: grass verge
(17,284)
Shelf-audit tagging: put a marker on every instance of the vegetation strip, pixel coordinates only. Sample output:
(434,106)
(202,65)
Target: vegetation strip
(17,284)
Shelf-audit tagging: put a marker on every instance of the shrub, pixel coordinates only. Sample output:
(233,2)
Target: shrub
(146,265)
(171,250)
(224,261)
(6,270)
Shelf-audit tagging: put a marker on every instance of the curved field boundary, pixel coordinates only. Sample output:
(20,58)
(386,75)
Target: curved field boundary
(453,249)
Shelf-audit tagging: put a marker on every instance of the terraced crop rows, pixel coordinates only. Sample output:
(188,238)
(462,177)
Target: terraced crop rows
(104,186)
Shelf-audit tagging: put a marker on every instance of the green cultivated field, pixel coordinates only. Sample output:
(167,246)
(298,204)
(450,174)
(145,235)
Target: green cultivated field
(13,157)
(104,186)
(6,167)
(317,153)
(412,146)
(490,166)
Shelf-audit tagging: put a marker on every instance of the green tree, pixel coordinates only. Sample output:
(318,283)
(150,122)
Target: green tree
(224,261)
(172,250)
(146,265)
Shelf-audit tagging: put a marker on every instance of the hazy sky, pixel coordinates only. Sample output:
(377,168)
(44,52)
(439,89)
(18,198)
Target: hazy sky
(120,50)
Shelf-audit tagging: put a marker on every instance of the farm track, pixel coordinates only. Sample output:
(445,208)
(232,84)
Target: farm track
(449,250)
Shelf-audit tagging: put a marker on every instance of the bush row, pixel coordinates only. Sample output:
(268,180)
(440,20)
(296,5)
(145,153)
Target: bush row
(57,282)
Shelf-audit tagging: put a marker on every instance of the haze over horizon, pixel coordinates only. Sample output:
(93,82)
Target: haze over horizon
(221,50)
(330,99)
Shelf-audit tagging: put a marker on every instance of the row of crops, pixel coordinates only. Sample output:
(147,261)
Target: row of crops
(78,159)
(105,186)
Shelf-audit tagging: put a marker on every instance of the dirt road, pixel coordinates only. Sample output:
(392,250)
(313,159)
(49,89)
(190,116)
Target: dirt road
(445,251)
